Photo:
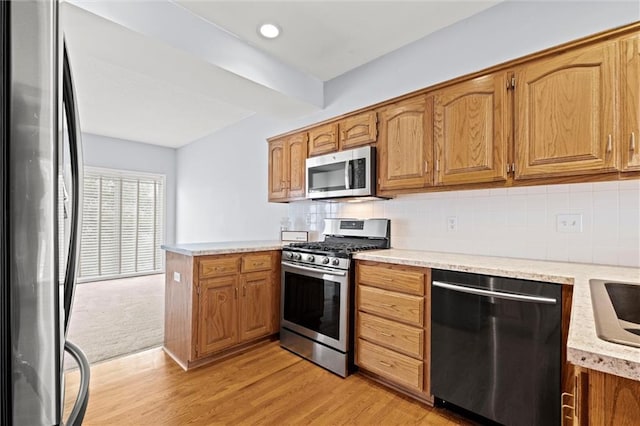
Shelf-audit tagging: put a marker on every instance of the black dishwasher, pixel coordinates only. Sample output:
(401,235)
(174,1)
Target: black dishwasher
(496,347)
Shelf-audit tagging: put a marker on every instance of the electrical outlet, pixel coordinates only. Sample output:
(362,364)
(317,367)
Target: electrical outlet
(452,223)
(569,223)
(176,277)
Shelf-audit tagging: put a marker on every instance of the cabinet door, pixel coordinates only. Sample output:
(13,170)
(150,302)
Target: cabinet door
(566,113)
(405,145)
(278,169)
(323,139)
(218,317)
(470,131)
(255,305)
(613,400)
(297,170)
(359,130)
(630,135)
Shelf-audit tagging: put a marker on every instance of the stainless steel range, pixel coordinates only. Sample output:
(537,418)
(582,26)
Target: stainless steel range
(318,291)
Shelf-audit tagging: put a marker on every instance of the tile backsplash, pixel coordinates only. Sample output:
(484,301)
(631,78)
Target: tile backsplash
(527,222)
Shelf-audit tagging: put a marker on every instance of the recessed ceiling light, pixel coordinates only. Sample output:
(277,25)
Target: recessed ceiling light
(269,30)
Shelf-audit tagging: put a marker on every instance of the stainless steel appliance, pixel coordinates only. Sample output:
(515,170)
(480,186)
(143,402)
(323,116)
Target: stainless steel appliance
(317,291)
(350,173)
(496,347)
(40,199)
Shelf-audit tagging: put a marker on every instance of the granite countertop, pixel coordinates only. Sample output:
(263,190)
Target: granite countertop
(226,247)
(584,348)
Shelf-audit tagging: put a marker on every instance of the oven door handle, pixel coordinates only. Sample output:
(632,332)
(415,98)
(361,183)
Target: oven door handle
(316,270)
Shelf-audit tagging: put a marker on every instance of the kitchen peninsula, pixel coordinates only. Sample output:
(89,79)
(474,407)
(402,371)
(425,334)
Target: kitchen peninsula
(220,298)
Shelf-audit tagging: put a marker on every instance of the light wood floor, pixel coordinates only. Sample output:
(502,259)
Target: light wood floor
(267,385)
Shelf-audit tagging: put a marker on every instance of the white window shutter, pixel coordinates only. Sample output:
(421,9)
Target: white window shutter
(123,225)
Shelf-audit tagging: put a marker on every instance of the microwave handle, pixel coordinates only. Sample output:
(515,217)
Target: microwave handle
(348,167)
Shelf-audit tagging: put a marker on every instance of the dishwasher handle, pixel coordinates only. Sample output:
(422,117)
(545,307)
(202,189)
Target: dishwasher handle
(496,294)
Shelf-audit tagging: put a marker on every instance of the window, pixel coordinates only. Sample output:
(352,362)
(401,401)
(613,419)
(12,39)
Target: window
(122,224)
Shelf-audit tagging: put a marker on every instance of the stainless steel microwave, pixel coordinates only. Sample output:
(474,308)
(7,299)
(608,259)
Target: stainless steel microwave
(350,173)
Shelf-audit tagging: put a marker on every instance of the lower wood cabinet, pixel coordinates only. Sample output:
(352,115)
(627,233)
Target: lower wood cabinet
(393,317)
(601,399)
(219,304)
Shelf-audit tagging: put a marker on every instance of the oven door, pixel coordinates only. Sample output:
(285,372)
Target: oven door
(315,304)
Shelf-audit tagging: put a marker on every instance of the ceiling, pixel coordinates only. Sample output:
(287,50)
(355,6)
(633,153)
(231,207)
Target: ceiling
(168,73)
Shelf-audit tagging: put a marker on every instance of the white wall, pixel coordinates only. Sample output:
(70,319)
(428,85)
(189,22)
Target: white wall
(219,199)
(513,222)
(121,154)
(222,186)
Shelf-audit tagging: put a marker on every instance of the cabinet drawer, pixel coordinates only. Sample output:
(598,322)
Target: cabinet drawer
(404,338)
(218,267)
(392,279)
(403,307)
(399,368)
(256,262)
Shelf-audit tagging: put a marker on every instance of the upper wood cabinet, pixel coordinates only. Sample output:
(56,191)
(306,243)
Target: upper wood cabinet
(630,95)
(471,128)
(323,139)
(358,130)
(287,157)
(405,145)
(566,118)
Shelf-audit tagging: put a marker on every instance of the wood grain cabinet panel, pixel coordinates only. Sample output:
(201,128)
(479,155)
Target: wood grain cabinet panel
(406,281)
(566,113)
(392,365)
(256,262)
(606,399)
(393,326)
(218,266)
(358,130)
(255,305)
(278,169)
(471,128)
(287,157)
(398,306)
(630,83)
(405,145)
(218,318)
(323,139)
(392,334)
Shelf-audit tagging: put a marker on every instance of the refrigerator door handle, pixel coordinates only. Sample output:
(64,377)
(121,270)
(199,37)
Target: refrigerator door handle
(75,148)
(80,407)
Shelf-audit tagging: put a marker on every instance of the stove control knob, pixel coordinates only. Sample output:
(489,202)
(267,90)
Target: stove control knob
(310,258)
(297,256)
(325,260)
(335,262)
(290,255)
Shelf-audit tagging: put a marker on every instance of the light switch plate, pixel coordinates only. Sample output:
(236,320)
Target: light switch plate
(176,276)
(569,223)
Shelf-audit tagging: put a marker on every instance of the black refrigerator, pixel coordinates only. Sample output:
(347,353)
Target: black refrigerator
(40,202)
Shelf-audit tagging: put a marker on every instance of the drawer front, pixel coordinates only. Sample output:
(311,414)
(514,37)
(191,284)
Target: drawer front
(404,338)
(256,262)
(396,367)
(403,307)
(411,282)
(218,267)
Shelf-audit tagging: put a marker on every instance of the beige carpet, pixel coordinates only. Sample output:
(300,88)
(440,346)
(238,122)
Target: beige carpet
(117,317)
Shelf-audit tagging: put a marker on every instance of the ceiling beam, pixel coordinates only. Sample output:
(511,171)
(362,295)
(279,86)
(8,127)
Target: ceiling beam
(173,24)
